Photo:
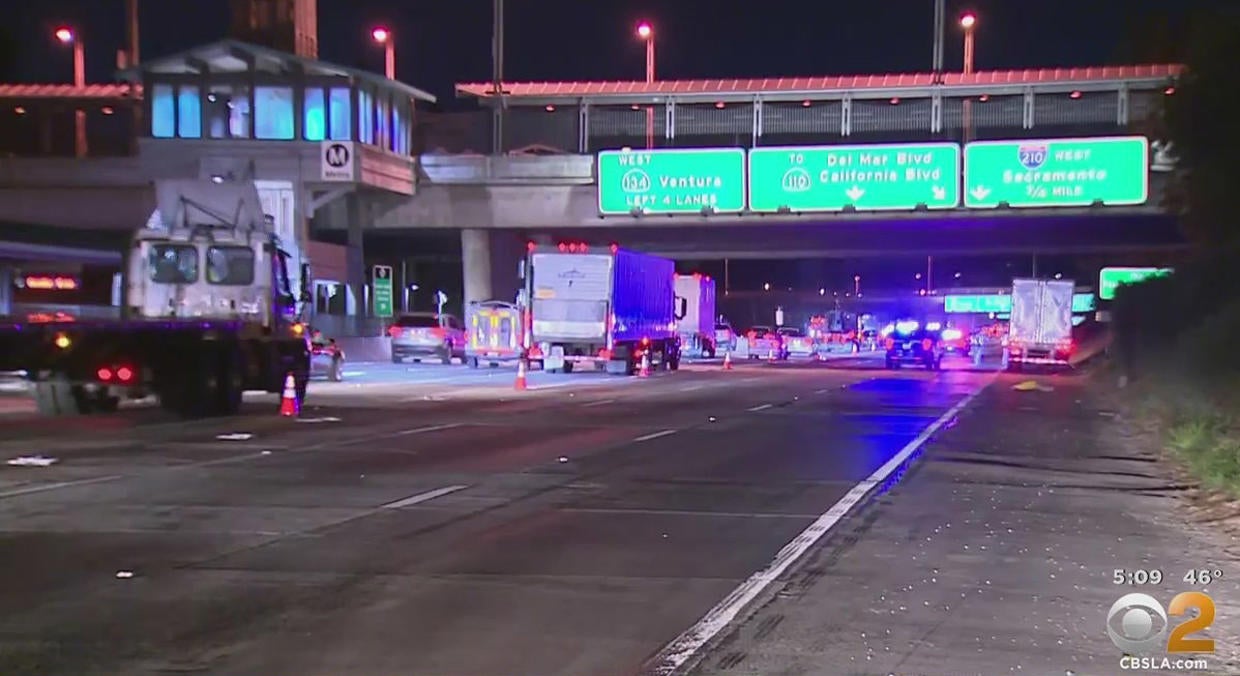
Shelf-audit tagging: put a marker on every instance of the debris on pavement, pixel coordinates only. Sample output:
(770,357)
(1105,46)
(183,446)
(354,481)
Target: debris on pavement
(32,461)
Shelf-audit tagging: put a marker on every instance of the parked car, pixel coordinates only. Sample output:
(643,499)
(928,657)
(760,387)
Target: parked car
(326,357)
(797,343)
(765,342)
(725,336)
(421,335)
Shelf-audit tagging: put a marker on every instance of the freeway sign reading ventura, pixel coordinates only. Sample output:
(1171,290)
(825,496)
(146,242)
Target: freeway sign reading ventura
(671,181)
(1109,279)
(868,177)
(1057,172)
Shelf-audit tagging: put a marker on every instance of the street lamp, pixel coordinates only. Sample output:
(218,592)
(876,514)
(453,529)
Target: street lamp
(66,36)
(384,37)
(766,286)
(967,22)
(857,284)
(645,32)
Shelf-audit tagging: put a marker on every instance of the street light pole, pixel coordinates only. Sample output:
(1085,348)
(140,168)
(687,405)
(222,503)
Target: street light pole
(383,36)
(67,36)
(968,22)
(646,32)
(940,25)
(497,77)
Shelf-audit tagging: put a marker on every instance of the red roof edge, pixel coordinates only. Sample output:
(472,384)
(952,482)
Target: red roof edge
(823,83)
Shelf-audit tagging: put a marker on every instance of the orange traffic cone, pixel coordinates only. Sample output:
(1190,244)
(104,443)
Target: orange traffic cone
(289,406)
(727,361)
(521,374)
(645,372)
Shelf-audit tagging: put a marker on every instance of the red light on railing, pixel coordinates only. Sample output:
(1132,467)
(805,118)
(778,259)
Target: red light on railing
(104,374)
(806,104)
(895,101)
(1074,95)
(562,247)
(572,247)
(1169,91)
(124,374)
(984,98)
(635,107)
(394,331)
(719,104)
(550,108)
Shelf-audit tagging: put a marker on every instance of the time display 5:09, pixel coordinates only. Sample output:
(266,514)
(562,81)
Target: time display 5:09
(1139,576)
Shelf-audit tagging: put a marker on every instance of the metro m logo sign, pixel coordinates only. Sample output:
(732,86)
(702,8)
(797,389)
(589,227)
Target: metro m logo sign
(336,161)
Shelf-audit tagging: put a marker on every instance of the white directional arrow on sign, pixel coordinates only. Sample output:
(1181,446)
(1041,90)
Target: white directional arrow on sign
(854,193)
(979,192)
(940,193)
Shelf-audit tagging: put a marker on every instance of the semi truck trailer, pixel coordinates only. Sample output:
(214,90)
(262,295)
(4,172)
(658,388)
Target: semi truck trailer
(697,327)
(1040,329)
(606,308)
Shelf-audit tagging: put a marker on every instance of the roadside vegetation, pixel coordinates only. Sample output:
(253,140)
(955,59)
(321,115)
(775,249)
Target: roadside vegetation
(1177,338)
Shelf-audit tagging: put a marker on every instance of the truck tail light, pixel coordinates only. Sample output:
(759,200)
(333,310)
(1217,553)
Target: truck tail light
(394,331)
(116,374)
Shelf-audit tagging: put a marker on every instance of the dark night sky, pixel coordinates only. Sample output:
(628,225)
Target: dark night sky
(446,41)
(440,42)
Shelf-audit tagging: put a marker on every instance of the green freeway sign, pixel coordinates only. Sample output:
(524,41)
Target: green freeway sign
(868,177)
(978,303)
(1110,278)
(671,181)
(381,281)
(1057,172)
(1002,303)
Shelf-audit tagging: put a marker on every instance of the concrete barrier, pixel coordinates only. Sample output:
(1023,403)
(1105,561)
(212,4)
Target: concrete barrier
(366,349)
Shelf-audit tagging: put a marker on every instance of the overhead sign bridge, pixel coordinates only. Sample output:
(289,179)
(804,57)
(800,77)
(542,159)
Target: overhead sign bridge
(1026,173)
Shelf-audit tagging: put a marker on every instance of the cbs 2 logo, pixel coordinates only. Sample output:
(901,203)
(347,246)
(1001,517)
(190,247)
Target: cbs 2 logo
(1137,633)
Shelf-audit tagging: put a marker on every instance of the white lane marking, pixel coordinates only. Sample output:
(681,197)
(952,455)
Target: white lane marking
(690,388)
(57,486)
(824,391)
(654,435)
(685,646)
(760,407)
(688,512)
(423,497)
(601,402)
(428,428)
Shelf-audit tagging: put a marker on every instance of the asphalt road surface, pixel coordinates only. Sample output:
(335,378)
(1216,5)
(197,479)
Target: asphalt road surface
(430,521)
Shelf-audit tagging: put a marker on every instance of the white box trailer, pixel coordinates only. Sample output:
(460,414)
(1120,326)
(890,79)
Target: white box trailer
(697,327)
(1040,329)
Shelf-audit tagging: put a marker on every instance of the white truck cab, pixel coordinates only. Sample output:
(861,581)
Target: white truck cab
(208,252)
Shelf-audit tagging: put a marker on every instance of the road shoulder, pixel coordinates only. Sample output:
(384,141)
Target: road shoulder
(996,553)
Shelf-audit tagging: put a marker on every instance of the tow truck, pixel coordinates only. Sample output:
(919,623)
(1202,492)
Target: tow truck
(208,314)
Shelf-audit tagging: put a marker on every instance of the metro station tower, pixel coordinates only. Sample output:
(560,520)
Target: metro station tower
(286,25)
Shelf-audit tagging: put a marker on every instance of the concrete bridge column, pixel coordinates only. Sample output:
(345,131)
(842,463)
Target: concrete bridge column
(476,261)
(6,289)
(355,256)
